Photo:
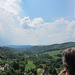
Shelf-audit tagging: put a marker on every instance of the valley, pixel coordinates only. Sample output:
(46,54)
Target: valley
(35,60)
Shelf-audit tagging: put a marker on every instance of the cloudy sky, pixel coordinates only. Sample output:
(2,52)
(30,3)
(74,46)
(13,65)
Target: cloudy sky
(36,22)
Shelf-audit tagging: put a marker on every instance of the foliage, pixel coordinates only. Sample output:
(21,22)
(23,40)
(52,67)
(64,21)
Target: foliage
(30,66)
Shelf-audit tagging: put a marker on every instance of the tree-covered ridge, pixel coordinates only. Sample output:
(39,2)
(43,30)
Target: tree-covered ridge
(42,48)
(47,48)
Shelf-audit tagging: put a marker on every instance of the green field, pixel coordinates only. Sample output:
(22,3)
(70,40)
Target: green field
(54,53)
(30,66)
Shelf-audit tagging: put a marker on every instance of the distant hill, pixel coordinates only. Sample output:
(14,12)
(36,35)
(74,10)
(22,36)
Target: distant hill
(42,49)
(19,46)
(8,52)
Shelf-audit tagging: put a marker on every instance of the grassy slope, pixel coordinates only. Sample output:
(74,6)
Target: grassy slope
(54,53)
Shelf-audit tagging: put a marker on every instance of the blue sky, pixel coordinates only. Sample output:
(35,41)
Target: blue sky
(48,8)
(36,22)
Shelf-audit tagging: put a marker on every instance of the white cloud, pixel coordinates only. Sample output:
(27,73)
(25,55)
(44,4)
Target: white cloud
(71,26)
(9,10)
(27,23)
(10,6)
(35,31)
(54,32)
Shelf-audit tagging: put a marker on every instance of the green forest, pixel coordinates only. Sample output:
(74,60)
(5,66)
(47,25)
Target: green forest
(32,60)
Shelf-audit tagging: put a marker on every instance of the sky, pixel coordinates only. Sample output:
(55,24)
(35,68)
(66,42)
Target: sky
(37,22)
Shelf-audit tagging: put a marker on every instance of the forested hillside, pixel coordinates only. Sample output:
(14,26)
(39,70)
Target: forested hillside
(37,60)
(54,47)
(42,48)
